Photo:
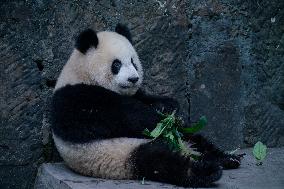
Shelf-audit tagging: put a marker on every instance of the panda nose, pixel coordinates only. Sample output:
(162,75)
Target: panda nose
(133,79)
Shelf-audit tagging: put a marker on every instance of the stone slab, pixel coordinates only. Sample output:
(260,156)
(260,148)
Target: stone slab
(249,176)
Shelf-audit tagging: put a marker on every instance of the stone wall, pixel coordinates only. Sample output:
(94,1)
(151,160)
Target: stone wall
(236,70)
(219,58)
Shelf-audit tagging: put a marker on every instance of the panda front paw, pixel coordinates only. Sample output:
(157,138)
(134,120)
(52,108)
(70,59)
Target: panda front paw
(204,173)
(230,161)
(166,105)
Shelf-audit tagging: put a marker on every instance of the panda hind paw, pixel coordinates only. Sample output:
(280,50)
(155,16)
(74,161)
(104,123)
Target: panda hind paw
(230,161)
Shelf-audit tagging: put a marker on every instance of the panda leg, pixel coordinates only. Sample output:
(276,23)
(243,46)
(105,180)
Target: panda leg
(213,154)
(156,161)
(131,158)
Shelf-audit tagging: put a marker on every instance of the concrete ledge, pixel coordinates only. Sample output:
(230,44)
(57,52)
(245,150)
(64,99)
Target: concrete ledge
(270,175)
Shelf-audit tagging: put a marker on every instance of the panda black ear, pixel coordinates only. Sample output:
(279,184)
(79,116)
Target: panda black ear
(86,40)
(123,30)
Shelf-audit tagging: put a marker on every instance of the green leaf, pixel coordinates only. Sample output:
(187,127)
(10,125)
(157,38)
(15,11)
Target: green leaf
(158,130)
(195,127)
(187,150)
(259,151)
(170,136)
(162,114)
(183,147)
(171,140)
(147,132)
(169,130)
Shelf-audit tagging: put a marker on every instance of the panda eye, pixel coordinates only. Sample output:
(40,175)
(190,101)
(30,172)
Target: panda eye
(115,67)
(133,64)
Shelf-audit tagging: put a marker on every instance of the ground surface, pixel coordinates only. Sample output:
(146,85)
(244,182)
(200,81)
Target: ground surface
(270,175)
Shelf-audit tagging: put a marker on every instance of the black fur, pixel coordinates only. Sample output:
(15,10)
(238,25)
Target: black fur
(163,104)
(156,161)
(115,67)
(204,173)
(86,40)
(82,113)
(123,30)
(212,153)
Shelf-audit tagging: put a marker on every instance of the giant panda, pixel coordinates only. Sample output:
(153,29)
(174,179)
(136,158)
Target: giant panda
(99,112)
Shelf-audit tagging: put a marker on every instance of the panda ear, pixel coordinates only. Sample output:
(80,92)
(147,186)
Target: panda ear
(86,40)
(123,30)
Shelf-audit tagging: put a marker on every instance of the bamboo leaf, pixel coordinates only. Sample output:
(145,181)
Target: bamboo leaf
(170,129)
(195,127)
(259,151)
(157,131)
(147,132)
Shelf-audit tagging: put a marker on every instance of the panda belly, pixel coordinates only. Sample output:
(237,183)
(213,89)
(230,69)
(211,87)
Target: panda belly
(109,158)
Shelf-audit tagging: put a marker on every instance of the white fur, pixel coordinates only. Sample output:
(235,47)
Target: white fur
(94,67)
(104,158)
(126,71)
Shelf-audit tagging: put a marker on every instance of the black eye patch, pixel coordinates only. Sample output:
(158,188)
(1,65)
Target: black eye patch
(133,64)
(115,67)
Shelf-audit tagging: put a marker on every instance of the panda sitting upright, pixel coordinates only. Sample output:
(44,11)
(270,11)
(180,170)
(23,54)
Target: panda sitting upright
(99,114)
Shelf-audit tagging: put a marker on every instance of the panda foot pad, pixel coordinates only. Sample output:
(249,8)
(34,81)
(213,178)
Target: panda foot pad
(231,161)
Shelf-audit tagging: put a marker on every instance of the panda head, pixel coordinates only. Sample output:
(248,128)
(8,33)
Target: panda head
(108,59)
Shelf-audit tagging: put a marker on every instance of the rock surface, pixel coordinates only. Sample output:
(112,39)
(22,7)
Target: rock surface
(223,59)
(236,70)
(248,176)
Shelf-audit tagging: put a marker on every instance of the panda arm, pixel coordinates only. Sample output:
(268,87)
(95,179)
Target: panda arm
(161,103)
(82,113)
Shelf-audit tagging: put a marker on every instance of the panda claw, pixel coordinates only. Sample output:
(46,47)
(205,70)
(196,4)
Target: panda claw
(231,161)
